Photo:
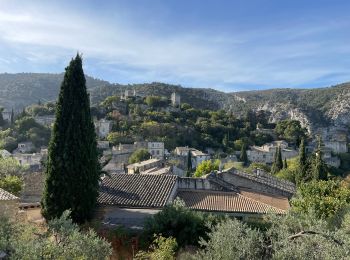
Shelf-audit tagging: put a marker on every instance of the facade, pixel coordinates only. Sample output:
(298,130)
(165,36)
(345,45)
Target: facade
(337,146)
(25,147)
(6,115)
(143,166)
(197,157)
(175,99)
(103,128)
(8,203)
(266,153)
(156,149)
(103,145)
(33,160)
(47,120)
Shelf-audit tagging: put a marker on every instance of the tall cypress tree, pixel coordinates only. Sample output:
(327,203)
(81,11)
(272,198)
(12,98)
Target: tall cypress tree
(302,161)
(243,156)
(72,172)
(12,117)
(189,164)
(285,165)
(278,162)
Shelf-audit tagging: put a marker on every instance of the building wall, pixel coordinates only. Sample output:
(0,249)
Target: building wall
(242,182)
(156,149)
(337,147)
(129,217)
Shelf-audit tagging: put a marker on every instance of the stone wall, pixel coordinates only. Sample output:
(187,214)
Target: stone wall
(33,186)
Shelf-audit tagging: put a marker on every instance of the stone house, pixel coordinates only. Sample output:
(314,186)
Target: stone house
(156,149)
(9,203)
(266,153)
(144,165)
(128,199)
(46,120)
(25,147)
(198,157)
(103,145)
(103,128)
(33,160)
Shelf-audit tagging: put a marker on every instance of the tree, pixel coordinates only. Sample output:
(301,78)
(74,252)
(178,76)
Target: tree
(189,164)
(285,164)
(206,167)
(73,170)
(179,222)
(278,162)
(12,184)
(291,130)
(161,248)
(139,156)
(60,239)
(12,117)
(2,121)
(325,198)
(232,239)
(243,156)
(302,161)
(318,167)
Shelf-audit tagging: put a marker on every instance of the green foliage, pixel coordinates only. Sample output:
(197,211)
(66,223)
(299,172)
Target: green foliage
(139,155)
(41,109)
(232,239)
(278,162)
(325,198)
(206,167)
(61,240)
(261,166)
(119,138)
(243,156)
(161,249)
(72,170)
(291,130)
(303,163)
(12,184)
(179,222)
(10,167)
(156,101)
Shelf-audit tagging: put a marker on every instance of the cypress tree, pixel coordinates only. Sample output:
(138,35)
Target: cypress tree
(285,165)
(278,162)
(243,156)
(302,161)
(72,171)
(12,117)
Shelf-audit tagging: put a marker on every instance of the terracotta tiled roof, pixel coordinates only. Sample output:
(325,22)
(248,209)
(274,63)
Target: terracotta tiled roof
(230,202)
(4,195)
(135,190)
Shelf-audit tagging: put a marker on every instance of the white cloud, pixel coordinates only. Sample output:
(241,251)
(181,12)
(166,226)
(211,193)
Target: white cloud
(267,57)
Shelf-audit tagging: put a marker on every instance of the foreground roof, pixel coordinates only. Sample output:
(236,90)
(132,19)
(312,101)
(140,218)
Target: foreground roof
(229,202)
(135,190)
(5,195)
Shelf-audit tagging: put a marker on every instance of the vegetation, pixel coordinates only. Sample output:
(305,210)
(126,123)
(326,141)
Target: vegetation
(11,175)
(325,198)
(278,162)
(179,222)
(161,248)
(291,130)
(60,240)
(72,171)
(139,155)
(206,167)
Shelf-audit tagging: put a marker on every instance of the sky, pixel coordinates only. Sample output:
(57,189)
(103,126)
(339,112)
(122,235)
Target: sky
(227,45)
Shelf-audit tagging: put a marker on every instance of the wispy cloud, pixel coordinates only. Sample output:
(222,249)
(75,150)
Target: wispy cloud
(119,51)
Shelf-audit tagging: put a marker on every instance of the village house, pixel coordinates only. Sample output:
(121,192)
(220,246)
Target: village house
(144,165)
(25,147)
(197,156)
(32,160)
(266,153)
(103,145)
(128,199)
(8,203)
(46,120)
(103,128)
(156,149)
(6,115)
(329,159)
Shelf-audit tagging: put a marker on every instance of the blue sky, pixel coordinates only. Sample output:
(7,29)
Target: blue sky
(227,45)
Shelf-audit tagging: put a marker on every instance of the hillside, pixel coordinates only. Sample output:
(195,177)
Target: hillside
(313,107)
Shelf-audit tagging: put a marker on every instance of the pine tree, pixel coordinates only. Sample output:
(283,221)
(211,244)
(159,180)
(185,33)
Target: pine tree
(302,161)
(319,169)
(244,157)
(72,172)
